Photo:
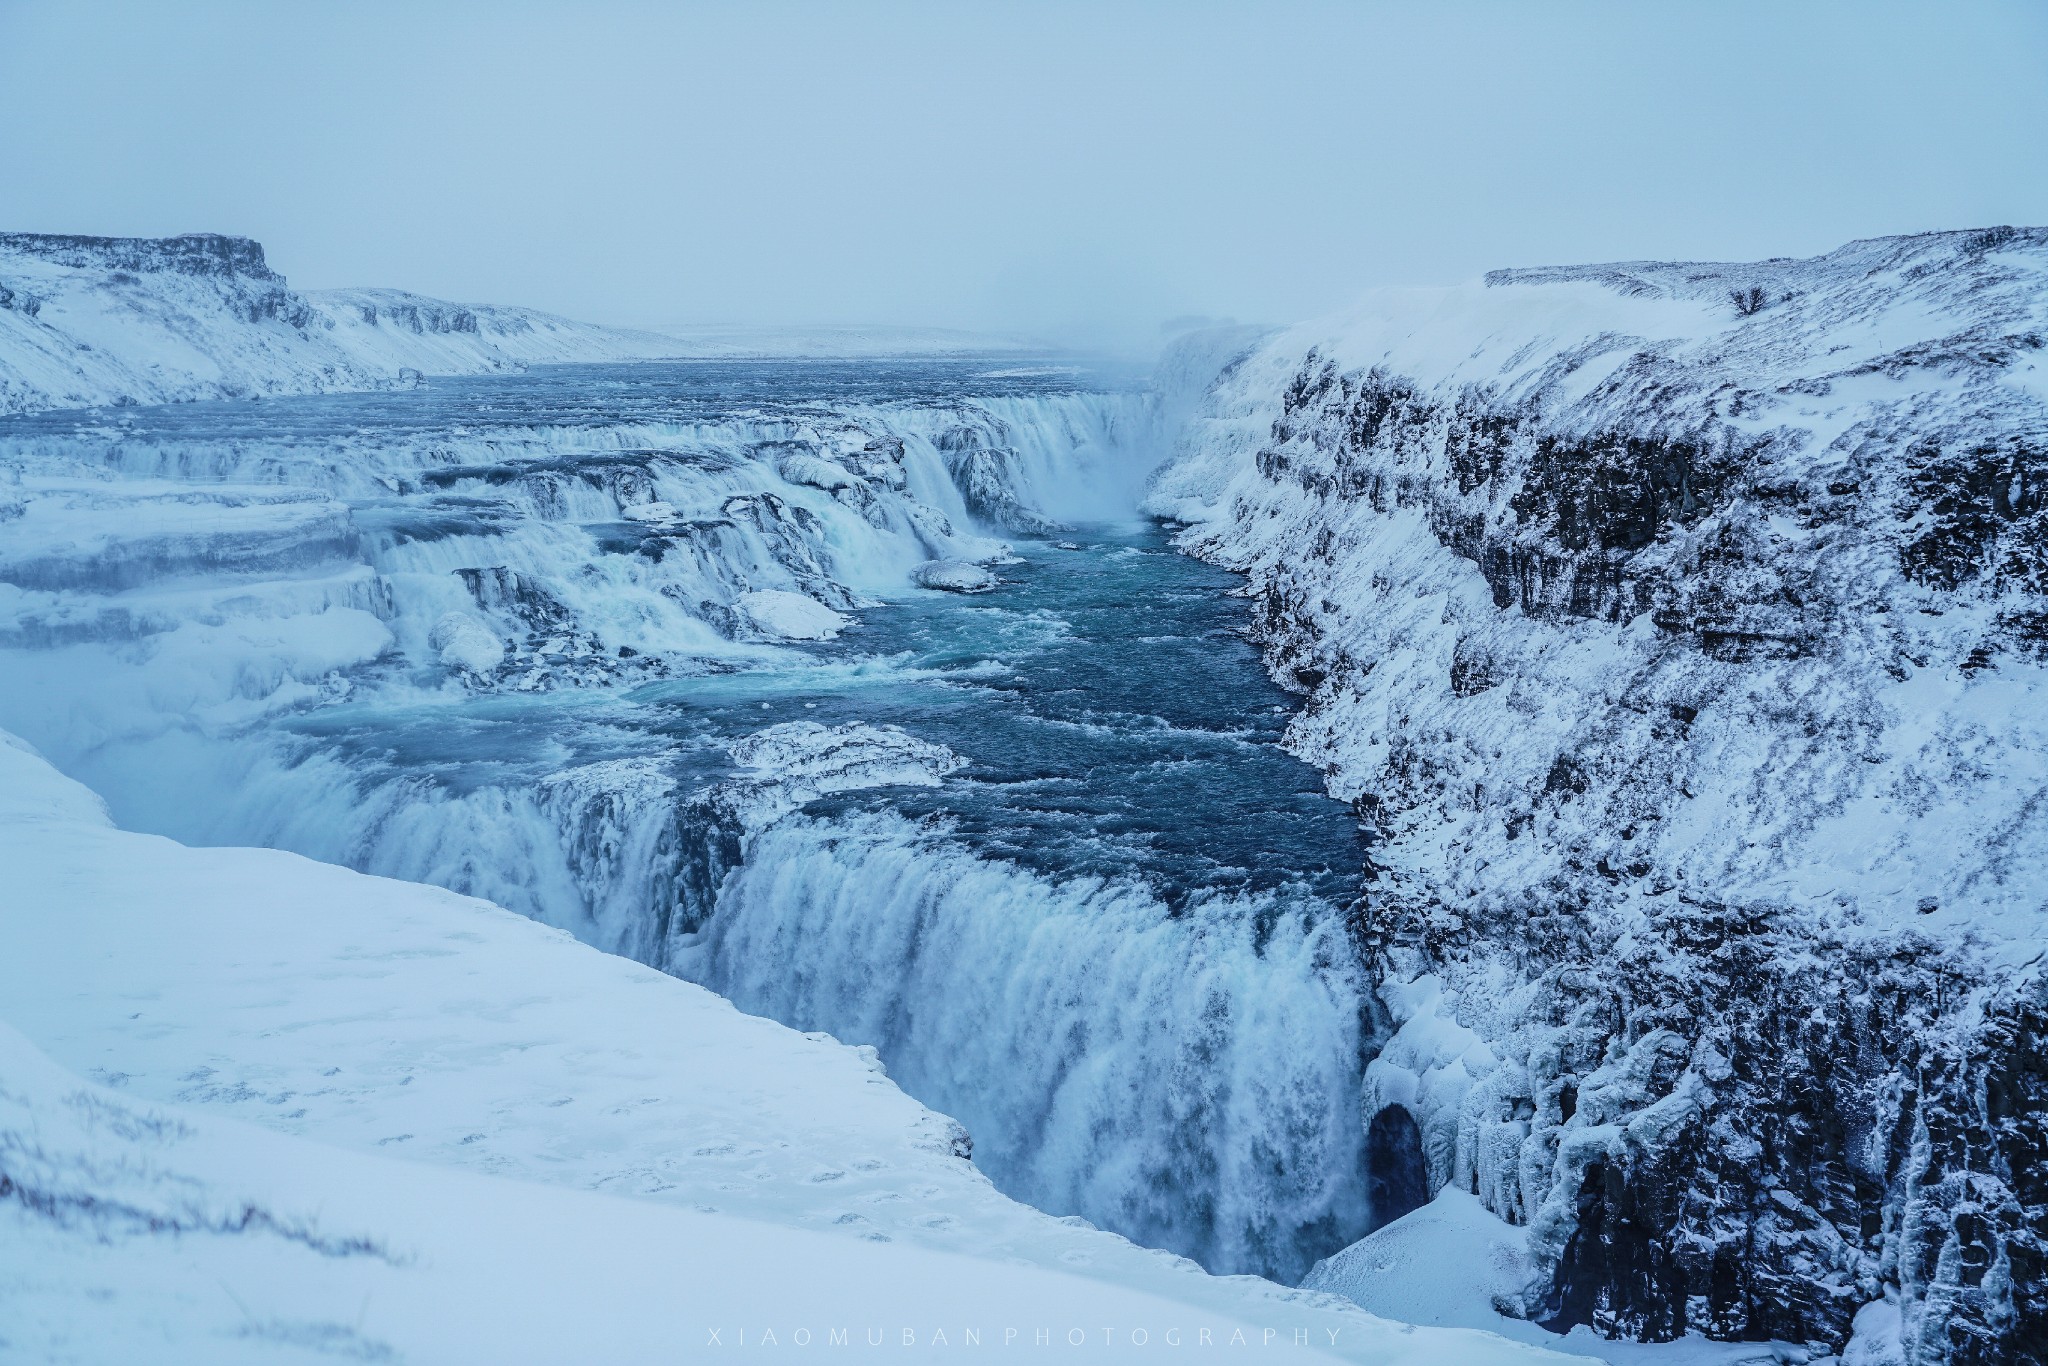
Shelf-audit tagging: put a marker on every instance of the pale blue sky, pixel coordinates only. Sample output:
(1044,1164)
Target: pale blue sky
(1076,170)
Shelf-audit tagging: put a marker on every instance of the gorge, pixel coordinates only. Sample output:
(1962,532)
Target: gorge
(1570,744)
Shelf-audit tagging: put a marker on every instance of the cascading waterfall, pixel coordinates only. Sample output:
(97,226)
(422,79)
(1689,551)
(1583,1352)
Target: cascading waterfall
(1180,1063)
(1190,1081)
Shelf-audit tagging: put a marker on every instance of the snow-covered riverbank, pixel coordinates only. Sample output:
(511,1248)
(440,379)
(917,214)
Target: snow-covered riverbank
(92,321)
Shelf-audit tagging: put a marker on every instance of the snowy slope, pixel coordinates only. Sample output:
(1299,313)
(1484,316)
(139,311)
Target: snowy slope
(86,321)
(1676,630)
(489,1087)
(388,329)
(143,1232)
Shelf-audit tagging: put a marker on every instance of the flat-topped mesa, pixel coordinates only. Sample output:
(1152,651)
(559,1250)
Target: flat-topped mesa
(192,253)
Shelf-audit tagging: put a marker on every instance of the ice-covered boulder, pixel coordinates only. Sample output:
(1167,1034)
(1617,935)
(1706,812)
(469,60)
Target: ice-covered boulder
(787,765)
(467,644)
(788,616)
(953,576)
(650,512)
(798,468)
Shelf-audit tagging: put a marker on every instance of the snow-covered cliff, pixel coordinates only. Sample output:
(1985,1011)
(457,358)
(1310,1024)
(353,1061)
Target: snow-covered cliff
(86,321)
(1678,633)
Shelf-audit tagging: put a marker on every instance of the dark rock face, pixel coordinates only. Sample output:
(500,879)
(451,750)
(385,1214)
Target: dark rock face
(1842,1130)
(1554,522)
(1535,614)
(986,473)
(1980,514)
(988,485)
(22,302)
(422,318)
(1829,1147)
(195,253)
(1397,1181)
(516,595)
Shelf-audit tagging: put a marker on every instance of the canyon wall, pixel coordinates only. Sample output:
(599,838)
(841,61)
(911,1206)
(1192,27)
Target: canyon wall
(1677,632)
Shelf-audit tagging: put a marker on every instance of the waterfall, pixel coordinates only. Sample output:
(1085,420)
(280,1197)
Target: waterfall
(1190,1081)
(261,668)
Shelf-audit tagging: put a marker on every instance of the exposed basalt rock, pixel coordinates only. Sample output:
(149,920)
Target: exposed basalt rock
(1554,522)
(194,253)
(1733,1125)
(985,466)
(1978,513)
(988,484)
(627,476)
(427,317)
(1653,649)
(1716,1128)
(21,301)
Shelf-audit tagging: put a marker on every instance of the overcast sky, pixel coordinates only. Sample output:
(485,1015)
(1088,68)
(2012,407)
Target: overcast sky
(1081,171)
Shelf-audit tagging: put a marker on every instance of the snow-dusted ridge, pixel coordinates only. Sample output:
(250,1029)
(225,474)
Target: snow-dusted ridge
(1678,631)
(91,321)
(87,321)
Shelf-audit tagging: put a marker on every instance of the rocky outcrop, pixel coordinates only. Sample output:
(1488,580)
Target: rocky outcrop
(194,253)
(1676,654)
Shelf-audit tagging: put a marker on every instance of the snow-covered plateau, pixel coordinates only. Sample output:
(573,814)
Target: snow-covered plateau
(1662,986)
(86,321)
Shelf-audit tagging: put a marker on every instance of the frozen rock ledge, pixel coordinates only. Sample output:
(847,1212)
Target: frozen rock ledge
(788,765)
